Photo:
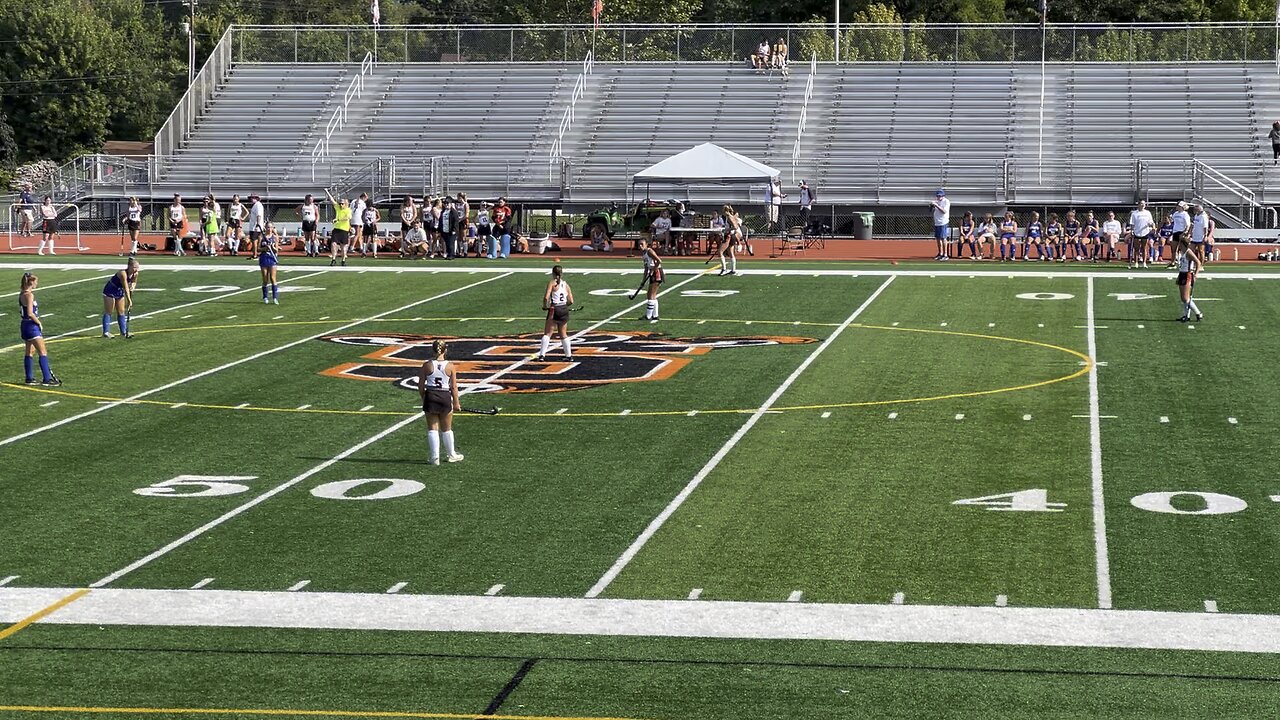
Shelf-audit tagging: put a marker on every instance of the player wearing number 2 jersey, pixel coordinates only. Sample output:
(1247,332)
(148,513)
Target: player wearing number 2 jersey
(556,302)
(438,386)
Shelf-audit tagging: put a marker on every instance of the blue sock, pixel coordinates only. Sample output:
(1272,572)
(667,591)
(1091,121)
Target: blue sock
(122,321)
(44,368)
(106,323)
(275,291)
(264,291)
(1025,252)
(29,365)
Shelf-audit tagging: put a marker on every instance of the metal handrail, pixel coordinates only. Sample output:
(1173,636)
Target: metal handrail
(804,115)
(566,119)
(338,120)
(177,127)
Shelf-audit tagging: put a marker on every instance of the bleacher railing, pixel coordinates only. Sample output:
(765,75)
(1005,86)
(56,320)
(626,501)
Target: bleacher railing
(177,128)
(338,120)
(640,43)
(804,116)
(86,175)
(566,120)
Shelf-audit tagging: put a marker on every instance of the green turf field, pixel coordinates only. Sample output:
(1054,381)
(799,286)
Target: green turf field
(814,490)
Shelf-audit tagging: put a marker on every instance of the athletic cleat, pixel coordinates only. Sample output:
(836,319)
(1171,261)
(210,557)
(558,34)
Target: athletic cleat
(127,336)
(1199,317)
(653,320)
(344,263)
(52,382)
(266,301)
(275,301)
(332,263)
(32,381)
(434,461)
(106,336)
(1184,318)
(456,457)
(539,357)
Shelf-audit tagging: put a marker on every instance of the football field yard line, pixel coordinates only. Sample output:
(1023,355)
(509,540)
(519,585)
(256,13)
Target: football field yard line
(654,525)
(20,625)
(398,425)
(673,618)
(63,284)
(275,712)
(234,363)
(1101,556)
(183,305)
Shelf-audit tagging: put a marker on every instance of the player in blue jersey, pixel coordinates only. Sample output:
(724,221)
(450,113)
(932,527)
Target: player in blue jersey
(1035,231)
(1164,236)
(1072,229)
(267,252)
(33,332)
(1053,238)
(117,298)
(1008,238)
(967,226)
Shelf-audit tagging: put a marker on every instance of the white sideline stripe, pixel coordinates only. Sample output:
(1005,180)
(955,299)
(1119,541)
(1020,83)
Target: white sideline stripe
(58,285)
(1101,556)
(234,363)
(899,598)
(695,593)
(618,270)
(9,579)
(630,553)
(202,583)
(1211,606)
(298,585)
(1002,601)
(1046,627)
(795,596)
(358,446)
(494,590)
(396,588)
(180,307)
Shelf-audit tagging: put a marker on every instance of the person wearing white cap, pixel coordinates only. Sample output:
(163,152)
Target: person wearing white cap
(1181,224)
(941,219)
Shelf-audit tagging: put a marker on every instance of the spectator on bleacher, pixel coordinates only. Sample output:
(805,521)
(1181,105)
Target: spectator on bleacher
(1181,225)
(807,196)
(760,61)
(941,207)
(26,209)
(502,214)
(778,60)
(773,201)
(310,212)
(1111,232)
(1274,136)
(257,224)
(1140,228)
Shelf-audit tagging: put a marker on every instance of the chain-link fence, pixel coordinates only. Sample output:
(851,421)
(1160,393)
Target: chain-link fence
(914,42)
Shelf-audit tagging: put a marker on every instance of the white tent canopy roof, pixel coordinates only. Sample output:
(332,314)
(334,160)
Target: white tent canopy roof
(706,163)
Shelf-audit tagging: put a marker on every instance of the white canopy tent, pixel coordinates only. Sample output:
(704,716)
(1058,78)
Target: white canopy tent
(707,163)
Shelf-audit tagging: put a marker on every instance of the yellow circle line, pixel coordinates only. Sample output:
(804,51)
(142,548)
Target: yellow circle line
(1086,367)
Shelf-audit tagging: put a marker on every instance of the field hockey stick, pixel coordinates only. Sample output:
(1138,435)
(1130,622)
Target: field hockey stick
(577,308)
(481,411)
(643,281)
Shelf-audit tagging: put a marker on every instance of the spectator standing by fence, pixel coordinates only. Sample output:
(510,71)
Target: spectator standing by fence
(1274,136)
(807,196)
(502,226)
(941,207)
(1141,225)
(1181,225)
(26,211)
(773,201)
(257,224)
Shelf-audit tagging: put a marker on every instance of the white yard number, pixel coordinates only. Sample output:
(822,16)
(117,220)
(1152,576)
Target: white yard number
(1044,296)
(341,489)
(707,293)
(1036,500)
(1214,503)
(197,486)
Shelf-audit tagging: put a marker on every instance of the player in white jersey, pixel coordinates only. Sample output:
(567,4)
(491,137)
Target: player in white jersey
(236,214)
(1188,265)
(556,301)
(653,277)
(177,224)
(438,386)
(1142,226)
(133,221)
(310,212)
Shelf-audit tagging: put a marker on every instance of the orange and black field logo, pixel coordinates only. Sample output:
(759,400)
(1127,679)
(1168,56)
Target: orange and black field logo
(598,358)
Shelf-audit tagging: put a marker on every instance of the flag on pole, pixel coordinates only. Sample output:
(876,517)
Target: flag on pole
(1043,7)
(375,12)
(597,9)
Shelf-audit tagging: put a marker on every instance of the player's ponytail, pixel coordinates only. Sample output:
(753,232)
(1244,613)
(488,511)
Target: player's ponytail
(557,272)
(438,348)
(28,280)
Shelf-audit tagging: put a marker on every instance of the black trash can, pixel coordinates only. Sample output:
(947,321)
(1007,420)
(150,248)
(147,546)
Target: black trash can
(862,224)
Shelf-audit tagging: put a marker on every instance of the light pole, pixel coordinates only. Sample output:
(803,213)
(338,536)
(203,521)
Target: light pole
(838,28)
(190,28)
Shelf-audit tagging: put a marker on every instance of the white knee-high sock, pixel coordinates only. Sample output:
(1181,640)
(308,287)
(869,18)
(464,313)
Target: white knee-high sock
(448,443)
(1191,307)
(433,443)
(655,308)
(546,343)
(733,263)
(564,343)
